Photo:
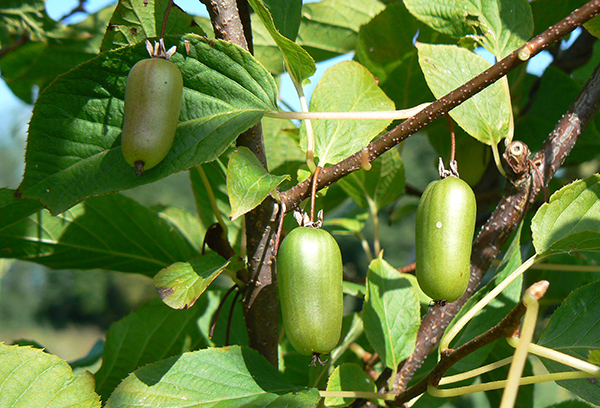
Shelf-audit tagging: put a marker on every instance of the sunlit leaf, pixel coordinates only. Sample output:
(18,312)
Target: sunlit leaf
(345,87)
(149,334)
(30,377)
(487,115)
(570,221)
(181,284)
(573,329)
(248,183)
(390,313)
(74,144)
(215,377)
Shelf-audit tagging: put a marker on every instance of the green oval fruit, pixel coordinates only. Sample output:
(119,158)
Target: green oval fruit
(309,273)
(444,234)
(152,106)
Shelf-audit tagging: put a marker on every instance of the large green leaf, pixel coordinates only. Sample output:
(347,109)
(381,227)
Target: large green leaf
(74,144)
(215,377)
(30,377)
(286,16)
(133,21)
(487,115)
(248,183)
(500,25)
(556,91)
(37,62)
(390,313)
(340,19)
(299,63)
(182,283)
(14,210)
(345,87)
(111,232)
(149,334)
(569,221)
(348,377)
(573,329)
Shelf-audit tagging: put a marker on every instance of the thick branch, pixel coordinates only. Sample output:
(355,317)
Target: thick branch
(292,197)
(261,309)
(226,21)
(517,199)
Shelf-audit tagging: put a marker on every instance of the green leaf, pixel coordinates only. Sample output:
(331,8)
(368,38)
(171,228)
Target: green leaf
(382,184)
(390,313)
(487,115)
(111,232)
(36,63)
(281,145)
(133,21)
(556,91)
(570,404)
(74,151)
(29,377)
(149,334)
(299,63)
(345,226)
(594,357)
(248,183)
(186,223)
(13,210)
(495,311)
(26,18)
(550,12)
(500,25)
(216,377)
(340,19)
(286,16)
(181,284)
(569,221)
(573,329)
(348,377)
(345,87)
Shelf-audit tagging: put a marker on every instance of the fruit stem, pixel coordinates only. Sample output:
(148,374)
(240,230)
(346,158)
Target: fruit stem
(374,215)
(313,193)
(212,199)
(164,23)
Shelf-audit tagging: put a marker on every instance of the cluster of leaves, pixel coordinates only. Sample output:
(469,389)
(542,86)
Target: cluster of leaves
(71,216)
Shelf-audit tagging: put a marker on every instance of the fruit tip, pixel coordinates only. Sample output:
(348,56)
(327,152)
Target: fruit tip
(139,168)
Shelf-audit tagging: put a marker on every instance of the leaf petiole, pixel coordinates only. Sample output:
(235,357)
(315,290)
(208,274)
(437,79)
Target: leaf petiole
(372,115)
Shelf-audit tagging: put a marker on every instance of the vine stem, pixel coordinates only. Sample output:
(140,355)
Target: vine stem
(496,385)
(559,357)
(372,115)
(357,394)
(462,322)
(509,396)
